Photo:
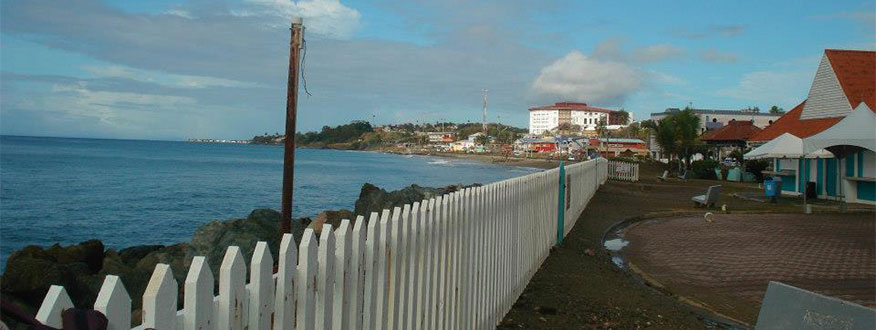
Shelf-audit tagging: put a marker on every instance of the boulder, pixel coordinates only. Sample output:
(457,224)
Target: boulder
(374,199)
(333,218)
(133,254)
(212,239)
(32,270)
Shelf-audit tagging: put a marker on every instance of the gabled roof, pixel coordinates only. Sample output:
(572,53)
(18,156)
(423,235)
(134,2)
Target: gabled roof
(576,106)
(791,123)
(856,72)
(736,130)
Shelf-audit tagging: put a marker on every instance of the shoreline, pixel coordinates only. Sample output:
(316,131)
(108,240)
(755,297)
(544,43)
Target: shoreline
(486,158)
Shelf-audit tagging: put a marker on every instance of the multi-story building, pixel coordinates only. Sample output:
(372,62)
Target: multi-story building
(441,137)
(578,116)
(713,119)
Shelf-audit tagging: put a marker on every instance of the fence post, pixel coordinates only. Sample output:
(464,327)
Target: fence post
(561,203)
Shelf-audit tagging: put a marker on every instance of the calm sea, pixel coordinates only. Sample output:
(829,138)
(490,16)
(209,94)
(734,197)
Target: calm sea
(131,192)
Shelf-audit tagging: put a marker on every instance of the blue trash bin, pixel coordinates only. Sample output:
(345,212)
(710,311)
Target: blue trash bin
(770,187)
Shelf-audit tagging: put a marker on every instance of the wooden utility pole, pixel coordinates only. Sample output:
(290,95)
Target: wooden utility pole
(291,114)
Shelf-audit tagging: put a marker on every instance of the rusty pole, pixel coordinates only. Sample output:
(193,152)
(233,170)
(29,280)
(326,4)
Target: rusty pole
(291,114)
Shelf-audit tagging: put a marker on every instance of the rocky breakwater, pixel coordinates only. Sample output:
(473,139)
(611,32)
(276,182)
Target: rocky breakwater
(81,268)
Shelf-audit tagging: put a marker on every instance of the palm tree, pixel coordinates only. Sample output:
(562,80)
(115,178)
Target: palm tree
(688,127)
(665,134)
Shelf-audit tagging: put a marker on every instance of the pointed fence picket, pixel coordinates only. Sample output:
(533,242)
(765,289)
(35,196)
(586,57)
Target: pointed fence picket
(285,298)
(306,284)
(343,277)
(115,303)
(261,295)
(455,261)
(325,279)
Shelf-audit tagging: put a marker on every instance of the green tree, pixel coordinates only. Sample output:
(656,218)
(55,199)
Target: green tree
(775,110)
(563,129)
(678,134)
(688,129)
(601,128)
(665,133)
(622,117)
(482,140)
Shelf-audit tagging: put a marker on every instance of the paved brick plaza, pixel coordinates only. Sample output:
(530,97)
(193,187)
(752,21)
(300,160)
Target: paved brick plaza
(728,263)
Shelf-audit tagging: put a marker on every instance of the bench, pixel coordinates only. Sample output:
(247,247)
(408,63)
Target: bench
(664,176)
(709,199)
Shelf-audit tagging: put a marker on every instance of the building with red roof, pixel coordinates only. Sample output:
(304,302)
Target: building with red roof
(845,80)
(736,132)
(549,117)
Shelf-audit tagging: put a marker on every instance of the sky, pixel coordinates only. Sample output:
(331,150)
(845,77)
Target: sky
(179,69)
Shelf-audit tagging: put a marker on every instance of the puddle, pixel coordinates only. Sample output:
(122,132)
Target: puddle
(616,244)
(618,261)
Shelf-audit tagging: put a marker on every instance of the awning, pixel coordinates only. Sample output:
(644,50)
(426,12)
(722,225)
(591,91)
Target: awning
(857,130)
(785,146)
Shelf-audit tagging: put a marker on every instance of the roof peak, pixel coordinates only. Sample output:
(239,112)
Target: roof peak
(849,50)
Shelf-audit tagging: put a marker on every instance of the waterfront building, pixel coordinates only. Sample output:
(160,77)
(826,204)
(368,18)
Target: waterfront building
(441,137)
(614,147)
(578,116)
(845,80)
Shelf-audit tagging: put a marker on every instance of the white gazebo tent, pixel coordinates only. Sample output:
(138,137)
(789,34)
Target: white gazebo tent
(853,134)
(857,130)
(786,145)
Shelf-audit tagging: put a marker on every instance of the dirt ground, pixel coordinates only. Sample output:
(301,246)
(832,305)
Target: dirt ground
(579,287)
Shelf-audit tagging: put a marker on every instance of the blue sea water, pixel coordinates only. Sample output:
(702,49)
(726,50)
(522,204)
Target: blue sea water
(131,192)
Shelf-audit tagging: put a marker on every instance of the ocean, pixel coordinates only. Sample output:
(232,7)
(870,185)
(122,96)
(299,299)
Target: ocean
(132,192)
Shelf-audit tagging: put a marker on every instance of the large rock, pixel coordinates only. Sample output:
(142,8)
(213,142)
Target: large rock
(212,239)
(374,199)
(81,268)
(32,270)
(135,266)
(333,218)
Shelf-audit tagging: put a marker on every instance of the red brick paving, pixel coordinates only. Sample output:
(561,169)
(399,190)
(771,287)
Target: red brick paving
(728,263)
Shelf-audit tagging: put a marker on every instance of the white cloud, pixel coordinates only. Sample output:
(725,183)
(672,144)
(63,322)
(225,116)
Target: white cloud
(613,49)
(784,88)
(715,56)
(576,77)
(665,78)
(659,52)
(165,79)
(323,17)
(179,13)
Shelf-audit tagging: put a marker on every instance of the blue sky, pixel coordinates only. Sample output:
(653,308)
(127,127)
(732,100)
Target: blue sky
(185,69)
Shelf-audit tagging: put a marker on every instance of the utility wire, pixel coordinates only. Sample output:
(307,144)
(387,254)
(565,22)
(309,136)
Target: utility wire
(303,64)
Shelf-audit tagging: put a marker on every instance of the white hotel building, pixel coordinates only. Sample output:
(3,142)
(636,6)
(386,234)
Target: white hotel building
(547,118)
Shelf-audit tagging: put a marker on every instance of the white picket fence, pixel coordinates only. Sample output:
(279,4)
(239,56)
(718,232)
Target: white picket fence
(457,261)
(623,171)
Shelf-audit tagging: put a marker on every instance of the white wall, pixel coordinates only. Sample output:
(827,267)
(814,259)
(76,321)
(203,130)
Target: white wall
(826,97)
(542,120)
